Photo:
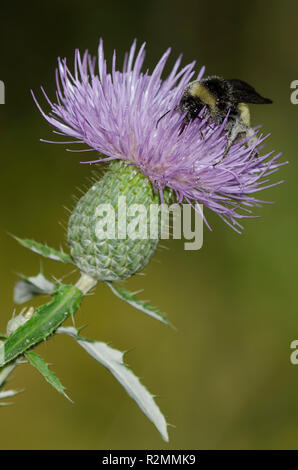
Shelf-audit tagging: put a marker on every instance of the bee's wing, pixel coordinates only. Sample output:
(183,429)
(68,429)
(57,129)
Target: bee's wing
(245,93)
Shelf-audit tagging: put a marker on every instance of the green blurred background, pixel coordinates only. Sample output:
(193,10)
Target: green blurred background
(224,379)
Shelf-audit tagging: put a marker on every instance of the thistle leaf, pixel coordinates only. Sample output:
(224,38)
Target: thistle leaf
(112,359)
(8,394)
(42,367)
(44,250)
(5,371)
(29,287)
(129,297)
(2,336)
(42,324)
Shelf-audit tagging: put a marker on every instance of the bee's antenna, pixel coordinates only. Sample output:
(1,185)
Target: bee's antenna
(162,117)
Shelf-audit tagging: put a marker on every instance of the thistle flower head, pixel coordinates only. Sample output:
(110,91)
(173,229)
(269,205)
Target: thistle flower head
(115,112)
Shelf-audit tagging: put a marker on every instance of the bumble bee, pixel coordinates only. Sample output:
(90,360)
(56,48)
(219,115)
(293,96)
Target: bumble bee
(219,96)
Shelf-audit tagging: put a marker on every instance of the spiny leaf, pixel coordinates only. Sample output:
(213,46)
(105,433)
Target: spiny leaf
(43,323)
(8,394)
(129,297)
(42,367)
(29,287)
(44,250)
(5,371)
(112,359)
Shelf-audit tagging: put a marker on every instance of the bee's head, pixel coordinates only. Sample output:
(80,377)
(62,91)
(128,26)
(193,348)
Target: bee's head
(198,94)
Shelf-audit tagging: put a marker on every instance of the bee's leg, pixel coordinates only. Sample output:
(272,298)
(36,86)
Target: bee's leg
(253,139)
(232,138)
(229,143)
(183,126)
(251,135)
(239,132)
(236,134)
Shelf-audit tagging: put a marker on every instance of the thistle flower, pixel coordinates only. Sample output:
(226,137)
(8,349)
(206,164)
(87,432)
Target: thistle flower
(116,114)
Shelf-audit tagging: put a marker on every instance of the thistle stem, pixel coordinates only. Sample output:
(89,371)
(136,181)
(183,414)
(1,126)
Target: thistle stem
(85,283)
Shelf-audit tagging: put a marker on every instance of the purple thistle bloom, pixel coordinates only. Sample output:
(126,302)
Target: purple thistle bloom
(116,113)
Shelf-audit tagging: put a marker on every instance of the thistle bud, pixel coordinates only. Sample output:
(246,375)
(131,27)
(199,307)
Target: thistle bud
(115,255)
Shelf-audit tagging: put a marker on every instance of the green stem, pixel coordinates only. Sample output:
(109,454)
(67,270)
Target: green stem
(85,283)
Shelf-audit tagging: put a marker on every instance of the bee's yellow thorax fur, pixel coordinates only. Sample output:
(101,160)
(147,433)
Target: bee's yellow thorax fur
(200,91)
